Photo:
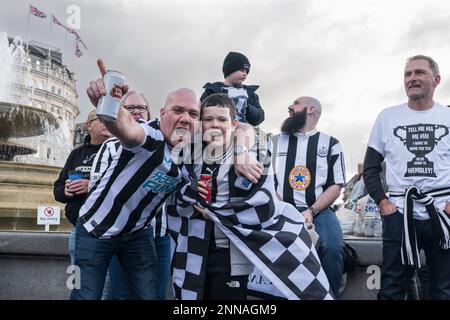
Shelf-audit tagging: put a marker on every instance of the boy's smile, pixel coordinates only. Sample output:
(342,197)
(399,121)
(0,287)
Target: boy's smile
(217,126)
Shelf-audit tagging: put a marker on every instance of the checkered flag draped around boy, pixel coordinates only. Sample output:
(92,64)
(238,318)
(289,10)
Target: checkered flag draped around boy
(270,233)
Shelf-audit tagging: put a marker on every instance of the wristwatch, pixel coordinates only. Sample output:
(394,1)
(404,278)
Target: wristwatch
(239,149)
(313,210)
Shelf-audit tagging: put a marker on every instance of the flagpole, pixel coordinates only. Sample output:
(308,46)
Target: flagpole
(28,26)
(74,64)
(64,48)
(51,32)
(74,56)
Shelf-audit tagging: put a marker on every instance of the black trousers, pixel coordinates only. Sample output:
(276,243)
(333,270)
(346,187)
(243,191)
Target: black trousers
(219,284)
(395,277)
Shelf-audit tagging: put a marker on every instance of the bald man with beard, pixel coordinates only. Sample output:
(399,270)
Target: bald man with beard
(309,174)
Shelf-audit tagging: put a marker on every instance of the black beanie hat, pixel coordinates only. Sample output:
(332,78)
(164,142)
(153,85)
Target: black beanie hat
(235,61)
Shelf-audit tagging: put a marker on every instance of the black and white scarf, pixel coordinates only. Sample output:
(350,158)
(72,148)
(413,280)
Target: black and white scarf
(440,222)
(270,233)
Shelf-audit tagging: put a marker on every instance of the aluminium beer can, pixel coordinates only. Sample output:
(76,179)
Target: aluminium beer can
(109,104)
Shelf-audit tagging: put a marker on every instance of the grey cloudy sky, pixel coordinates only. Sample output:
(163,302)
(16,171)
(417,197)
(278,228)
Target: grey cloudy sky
(349,54)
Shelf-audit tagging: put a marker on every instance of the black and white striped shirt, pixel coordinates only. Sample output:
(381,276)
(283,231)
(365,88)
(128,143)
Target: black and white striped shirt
(223,179)
(223,188)
(269,234)
(306,165)
(133,185)
(159,222)
(223,191)
(102,161)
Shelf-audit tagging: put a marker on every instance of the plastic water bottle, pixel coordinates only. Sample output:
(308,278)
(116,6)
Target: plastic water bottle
(378,228)
(372,219)
(358,229)
(369,225)
(359,220)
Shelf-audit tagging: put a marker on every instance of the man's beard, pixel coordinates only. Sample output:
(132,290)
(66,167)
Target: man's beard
(295,122)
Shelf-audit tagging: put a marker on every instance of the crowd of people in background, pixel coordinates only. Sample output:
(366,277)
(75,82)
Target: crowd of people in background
(142,212)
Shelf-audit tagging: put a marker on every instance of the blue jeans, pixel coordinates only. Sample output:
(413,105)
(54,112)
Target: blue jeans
(119,288)
(72,246)
(108,291)
(395,277)
(331,248)
(136,252)
(163,252)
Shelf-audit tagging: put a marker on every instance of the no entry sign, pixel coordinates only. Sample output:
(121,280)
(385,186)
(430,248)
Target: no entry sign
(48,215)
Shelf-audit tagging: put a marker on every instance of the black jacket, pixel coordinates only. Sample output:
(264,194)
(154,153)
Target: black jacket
(254,113)
(81,159)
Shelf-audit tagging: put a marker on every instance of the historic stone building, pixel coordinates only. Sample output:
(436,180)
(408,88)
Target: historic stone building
(45,83)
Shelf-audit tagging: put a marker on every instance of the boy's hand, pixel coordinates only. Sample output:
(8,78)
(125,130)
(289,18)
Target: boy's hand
(246,165)
(202,211)
(201,187)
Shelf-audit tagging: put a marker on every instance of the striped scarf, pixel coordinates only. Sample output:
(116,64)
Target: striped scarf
(440,222)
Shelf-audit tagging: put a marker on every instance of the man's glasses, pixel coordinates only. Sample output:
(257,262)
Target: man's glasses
(93,119)
(140,108)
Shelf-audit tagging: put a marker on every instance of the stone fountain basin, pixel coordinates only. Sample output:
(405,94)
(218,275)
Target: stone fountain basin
(19,121)
(10,149)
(23,188)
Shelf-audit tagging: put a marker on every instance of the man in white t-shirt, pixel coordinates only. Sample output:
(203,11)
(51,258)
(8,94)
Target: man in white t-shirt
(414,142)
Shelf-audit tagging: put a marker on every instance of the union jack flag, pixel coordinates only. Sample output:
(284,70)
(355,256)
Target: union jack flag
(56,21)
(77,36)
(79,40)
(36,12)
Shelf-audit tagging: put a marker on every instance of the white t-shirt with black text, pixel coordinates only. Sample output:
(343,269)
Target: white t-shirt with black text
(416,148)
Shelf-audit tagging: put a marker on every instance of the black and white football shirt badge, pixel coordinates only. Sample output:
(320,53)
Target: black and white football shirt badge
(322,152)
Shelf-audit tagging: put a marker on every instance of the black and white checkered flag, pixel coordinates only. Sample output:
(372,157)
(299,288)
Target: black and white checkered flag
(270,233)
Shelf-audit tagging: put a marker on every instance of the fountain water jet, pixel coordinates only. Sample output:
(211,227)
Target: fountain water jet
(17,120)
(31,138)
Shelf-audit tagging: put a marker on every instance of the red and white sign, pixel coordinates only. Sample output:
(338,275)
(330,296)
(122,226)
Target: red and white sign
(48,215)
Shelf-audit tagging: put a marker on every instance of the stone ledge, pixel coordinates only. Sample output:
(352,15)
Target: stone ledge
(34,243)
(369,250)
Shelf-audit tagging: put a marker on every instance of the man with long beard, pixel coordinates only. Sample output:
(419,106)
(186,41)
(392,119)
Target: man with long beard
(309,174)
